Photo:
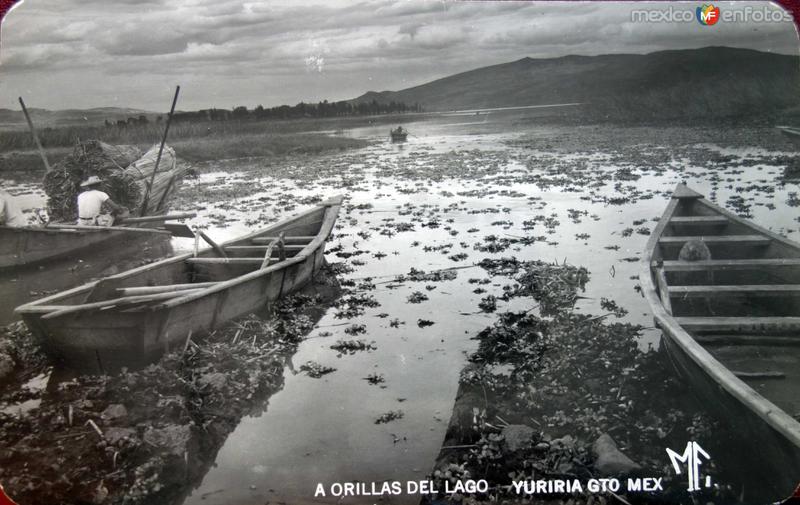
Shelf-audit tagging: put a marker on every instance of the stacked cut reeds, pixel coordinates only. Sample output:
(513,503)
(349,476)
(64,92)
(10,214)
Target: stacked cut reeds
(125,173)
(165,183)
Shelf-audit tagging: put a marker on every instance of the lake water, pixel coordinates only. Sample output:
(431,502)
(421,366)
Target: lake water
(457,181)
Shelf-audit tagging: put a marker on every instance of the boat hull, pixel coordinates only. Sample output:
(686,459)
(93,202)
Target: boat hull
(729,324)
(773,452)
(28,245)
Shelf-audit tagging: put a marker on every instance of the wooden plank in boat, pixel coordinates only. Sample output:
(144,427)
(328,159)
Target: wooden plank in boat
(744,339)
(737,323)
(699,220)
(288,247)
(733,240)
(745,264)
(663,290)
(165,288)
(231,261)
(267,240)
(742,289)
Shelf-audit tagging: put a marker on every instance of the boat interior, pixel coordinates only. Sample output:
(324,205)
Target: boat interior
(742,303)
(152,284)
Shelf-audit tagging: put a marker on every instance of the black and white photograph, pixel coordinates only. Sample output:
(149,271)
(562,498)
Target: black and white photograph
(411,252)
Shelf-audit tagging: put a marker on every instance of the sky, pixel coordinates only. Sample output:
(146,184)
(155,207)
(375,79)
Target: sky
(64,54)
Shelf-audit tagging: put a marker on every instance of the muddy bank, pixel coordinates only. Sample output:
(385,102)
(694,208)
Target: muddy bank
(144,436)
(552,394)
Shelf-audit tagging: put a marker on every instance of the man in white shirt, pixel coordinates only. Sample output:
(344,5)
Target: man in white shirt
(90,204)
(9,213)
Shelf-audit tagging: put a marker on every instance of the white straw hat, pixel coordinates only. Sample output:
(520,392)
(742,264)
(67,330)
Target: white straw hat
(91,181)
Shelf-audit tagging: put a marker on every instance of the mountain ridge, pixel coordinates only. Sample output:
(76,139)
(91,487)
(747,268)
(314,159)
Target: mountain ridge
(707,82)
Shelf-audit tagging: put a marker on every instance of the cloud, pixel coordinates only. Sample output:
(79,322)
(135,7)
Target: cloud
(283,51)
(410,29)
(146,43)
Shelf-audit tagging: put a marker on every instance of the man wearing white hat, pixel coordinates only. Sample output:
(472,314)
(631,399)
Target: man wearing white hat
(90,204)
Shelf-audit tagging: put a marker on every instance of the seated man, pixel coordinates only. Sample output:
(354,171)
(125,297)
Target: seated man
(91,202)
(9,213)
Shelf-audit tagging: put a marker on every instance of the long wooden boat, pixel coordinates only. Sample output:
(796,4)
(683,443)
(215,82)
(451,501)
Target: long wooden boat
(133,317)
(30,245)
(731,327)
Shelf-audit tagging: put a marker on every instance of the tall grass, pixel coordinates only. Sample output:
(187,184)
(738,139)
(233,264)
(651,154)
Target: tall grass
(205,145)
(260,145)
(148,134)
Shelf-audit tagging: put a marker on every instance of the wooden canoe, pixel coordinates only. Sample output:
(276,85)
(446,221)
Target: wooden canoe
(30,245)
(731,327)
(133,317)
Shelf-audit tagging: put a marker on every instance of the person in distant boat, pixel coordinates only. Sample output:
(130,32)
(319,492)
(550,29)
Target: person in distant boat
(91,203)
(9,213)
(399,129)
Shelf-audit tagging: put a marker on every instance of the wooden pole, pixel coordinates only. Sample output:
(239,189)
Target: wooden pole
(161,217)
(213,244)
(35,136)
(145,202)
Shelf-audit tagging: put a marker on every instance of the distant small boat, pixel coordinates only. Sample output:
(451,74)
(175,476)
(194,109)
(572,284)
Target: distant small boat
(135,316)
(398,134)
(731,327)
(790,131)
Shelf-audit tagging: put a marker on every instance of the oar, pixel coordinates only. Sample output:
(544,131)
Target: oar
(176,229)
(179,230)
(166,288)
(213,244)
(162,217)
(126,300)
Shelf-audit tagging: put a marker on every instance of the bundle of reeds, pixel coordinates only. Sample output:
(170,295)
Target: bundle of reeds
(125,173)
(92,157)
(164,184)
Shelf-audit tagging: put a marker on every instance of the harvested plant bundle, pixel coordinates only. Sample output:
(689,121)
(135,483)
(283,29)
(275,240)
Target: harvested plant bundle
(92,157)
(125,173)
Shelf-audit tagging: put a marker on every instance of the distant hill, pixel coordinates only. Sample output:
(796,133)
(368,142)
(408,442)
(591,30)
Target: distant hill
(48,118)
(697,83)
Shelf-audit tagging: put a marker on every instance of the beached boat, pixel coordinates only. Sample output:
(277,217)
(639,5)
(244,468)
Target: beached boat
(398,134)
(30,245)
(731,327)
(133,317)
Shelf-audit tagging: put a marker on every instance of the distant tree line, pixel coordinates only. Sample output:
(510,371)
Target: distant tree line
(132,121)
(301,110)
